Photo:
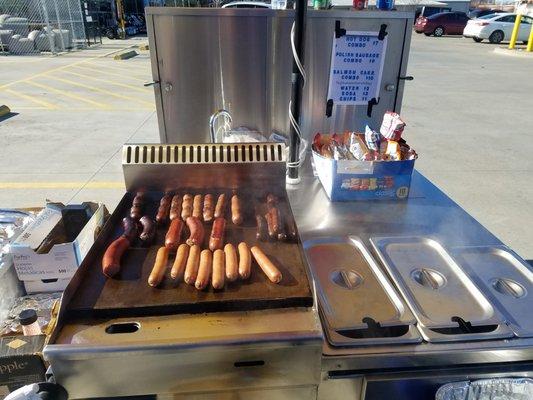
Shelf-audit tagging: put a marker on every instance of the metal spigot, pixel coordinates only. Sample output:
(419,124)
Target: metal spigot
(214,118)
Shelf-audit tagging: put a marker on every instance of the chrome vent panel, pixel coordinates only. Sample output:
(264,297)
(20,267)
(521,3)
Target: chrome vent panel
(222,153)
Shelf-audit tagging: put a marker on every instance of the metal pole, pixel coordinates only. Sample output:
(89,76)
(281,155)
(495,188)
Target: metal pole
(516,28)
(297,85)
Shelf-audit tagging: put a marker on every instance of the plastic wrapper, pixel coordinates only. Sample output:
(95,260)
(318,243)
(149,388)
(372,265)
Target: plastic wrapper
(393,151)
(392,126)
(359,148)
(372,139)
(488,389)
(41,302)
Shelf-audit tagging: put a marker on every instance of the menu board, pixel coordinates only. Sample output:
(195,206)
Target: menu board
(356,66)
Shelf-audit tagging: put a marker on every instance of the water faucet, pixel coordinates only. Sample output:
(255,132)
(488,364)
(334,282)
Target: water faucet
(213,120)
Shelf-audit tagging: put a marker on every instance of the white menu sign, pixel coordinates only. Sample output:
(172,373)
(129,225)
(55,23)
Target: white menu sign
(356,66)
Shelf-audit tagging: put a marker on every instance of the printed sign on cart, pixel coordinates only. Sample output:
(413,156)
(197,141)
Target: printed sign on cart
(356,67)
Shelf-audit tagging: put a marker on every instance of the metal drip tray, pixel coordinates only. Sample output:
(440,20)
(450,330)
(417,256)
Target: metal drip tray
(507,281)
(446,303)
(357,302)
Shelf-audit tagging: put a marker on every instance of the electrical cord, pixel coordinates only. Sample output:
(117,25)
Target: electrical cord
(303,143)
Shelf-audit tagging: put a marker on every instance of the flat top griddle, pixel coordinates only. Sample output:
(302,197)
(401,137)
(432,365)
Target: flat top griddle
(129,294)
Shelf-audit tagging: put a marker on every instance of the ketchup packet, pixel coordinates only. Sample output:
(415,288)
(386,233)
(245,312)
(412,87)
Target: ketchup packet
(392,126)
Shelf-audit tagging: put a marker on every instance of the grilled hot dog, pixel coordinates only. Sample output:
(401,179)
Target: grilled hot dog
(236,213)
(270,270)
(175,207)
(173,236)
(196,229)
(216,240)
(164,209)
(112,256)
(209,207)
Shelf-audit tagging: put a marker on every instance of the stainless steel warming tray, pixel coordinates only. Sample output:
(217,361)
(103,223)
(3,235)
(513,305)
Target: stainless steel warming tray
(507,281)
(358,304)
(445,301)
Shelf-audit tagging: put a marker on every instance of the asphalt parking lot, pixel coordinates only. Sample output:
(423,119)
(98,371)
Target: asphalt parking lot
(468,113)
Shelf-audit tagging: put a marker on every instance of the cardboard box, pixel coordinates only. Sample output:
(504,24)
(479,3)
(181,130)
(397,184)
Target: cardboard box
(21,362)
(348,180)
(46,285)
(62,261)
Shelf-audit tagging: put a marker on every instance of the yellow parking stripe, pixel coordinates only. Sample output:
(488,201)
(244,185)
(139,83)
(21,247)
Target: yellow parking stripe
(124,70)
(47,105)
(67,94)
(109,93)
(131,87)
(61,185)
(123,76)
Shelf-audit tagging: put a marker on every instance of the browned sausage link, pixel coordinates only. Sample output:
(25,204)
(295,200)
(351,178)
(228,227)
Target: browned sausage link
(137,206)
(112,256)
(290,227)
(272,200)
(272,218)
(130,228)
(221,205)
(175,207)
(196,229)
(216,240)
(138,200)
(148,233)
(164,209)
(282,234)
(261,228)
(236,213)
(197,206)
(173,236)
(186,207)
(160,266)
(270,270)
(209,207)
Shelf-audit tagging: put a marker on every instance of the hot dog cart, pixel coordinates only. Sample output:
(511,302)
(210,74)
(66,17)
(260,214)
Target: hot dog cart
(380,299)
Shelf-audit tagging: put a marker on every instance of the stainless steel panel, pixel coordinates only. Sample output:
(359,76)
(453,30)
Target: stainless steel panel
(319,41)
(285,393)
(165,167)
(356,299)
(507,281)
(240,60)
(440,294)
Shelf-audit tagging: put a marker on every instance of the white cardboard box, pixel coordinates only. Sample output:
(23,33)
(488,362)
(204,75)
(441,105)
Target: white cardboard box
(62,261)
(46,285)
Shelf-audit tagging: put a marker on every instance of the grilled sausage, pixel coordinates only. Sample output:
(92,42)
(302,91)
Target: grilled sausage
(204,270)
(112,256)
(173,236)
(245,261)
(261,228)
(219,269)
(232,265)
(160,266)
(178,267)
(197,207)
(290,228)
(175,207)
(272,218)
(216,240)
(186,207)
(191,268)
(164,209)
(270,270)
(130,228)
(137,206)
(236,213)
(196,229)
(148,233)
(282,233)
(271,200)
(220,207)
(209,207)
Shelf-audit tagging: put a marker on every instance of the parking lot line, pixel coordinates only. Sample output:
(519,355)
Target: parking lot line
(67,94)
(61,185)
(127,70)
(46,105)
(93,70)
(124,85)
(109,93)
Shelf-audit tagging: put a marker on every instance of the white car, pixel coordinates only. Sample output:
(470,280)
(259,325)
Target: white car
(497,27)
(247,4)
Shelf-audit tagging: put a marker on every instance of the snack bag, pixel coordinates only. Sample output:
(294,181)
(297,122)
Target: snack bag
(358,147)
(392,126)
(393,151)
(372,138)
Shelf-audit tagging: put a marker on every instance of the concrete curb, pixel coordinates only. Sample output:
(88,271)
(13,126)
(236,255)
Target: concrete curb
(4,110)
(126,55)
(144,47)
(513,53)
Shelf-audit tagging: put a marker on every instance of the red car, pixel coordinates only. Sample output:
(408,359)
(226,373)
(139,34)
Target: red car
(445,23)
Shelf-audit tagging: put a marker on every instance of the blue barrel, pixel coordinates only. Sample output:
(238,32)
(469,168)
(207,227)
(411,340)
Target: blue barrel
(385,4)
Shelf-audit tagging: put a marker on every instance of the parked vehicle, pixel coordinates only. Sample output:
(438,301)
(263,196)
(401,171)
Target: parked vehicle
(428,11)
(497,28)
(481,12)
(247,4)
(446,23)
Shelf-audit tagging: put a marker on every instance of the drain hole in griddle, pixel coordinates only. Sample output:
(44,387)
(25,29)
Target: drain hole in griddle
(124,327)
(374,330)
(464,327)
